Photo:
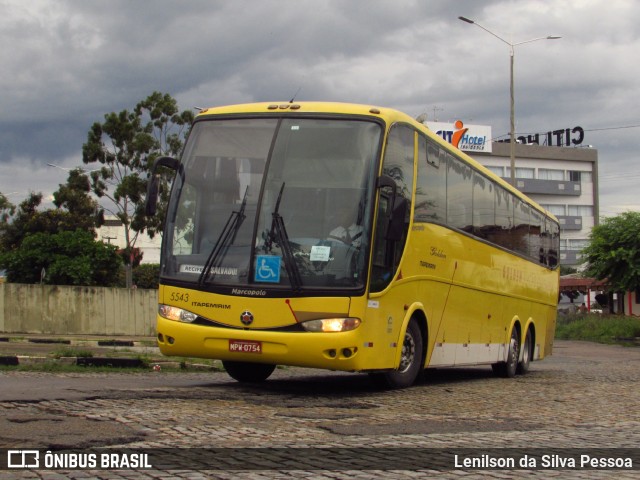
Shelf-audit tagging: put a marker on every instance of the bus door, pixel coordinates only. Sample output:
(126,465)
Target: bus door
(391,231)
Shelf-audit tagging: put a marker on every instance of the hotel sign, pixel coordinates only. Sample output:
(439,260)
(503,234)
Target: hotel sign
(468,138)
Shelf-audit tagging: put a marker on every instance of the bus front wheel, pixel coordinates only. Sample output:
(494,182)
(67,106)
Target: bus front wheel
(508,369)
(248,372)
(410,361)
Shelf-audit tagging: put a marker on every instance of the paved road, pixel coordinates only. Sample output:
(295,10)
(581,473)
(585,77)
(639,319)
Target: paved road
(585,397)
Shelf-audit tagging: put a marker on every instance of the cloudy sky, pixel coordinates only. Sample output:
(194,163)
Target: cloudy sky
(65,63)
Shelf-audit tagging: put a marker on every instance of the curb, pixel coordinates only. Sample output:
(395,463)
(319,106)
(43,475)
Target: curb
(111,362)
(9,360)
(123,360)
(100,341)
(78,341)
(115,362)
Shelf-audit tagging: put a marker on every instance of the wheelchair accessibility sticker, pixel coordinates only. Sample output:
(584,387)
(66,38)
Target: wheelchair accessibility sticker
(267,269)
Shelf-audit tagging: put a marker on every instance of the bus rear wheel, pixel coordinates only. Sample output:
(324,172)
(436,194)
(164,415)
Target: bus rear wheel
(523,366)
(248,372)
(508,369)
(410,361)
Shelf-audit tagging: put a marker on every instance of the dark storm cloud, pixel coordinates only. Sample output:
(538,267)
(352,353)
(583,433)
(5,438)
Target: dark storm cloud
(67,63)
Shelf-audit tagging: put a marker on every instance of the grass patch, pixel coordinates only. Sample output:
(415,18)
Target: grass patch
(598,328)
(71,352)
(90,362)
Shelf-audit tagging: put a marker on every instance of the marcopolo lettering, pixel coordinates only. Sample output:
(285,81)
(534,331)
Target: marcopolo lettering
(251,293)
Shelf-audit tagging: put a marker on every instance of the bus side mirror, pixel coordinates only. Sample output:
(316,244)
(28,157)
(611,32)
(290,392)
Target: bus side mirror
(152,196)
(387,181)
(154,183)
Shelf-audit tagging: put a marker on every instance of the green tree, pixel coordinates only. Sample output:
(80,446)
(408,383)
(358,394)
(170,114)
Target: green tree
(613,252)
(7,209)
(146,276)
(126,145)
(27,233)
(75,197)
(28,220)
(76,210)
(65,258)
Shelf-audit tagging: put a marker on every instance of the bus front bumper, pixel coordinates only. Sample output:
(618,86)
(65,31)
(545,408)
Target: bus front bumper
(343,351)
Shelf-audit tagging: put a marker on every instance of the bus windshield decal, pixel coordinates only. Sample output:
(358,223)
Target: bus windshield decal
(228,271)
(267,269)
(320,253)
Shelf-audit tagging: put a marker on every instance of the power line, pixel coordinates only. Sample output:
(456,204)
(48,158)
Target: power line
(610,128)
(602,129)
(618,175)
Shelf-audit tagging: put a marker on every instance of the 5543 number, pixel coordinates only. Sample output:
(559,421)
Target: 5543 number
(179,297)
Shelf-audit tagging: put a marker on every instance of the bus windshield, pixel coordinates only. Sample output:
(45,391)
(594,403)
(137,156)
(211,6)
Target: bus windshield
(281,203)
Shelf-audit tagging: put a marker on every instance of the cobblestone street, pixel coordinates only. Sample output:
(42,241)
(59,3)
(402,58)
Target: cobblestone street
(583,397)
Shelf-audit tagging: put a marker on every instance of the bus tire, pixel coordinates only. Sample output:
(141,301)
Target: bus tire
(508,369)
(523,366)
(248,372)
(410,361)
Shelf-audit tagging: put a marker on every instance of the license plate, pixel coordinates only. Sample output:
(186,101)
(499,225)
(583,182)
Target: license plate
(245,346)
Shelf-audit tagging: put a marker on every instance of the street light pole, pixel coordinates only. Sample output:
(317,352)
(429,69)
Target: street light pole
(512,129)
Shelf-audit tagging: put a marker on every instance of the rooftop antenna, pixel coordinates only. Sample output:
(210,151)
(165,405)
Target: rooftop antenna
(435,113)
(295,94)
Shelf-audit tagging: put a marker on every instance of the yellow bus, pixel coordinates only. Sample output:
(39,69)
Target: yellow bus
(352,238)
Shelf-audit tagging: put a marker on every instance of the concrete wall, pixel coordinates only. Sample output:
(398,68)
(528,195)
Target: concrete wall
(64,310)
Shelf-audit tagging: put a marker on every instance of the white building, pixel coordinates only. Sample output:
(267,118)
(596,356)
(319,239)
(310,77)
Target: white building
(112,232)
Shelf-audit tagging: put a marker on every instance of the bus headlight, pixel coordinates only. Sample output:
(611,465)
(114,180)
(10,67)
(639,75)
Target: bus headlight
(176,314)
(331,324)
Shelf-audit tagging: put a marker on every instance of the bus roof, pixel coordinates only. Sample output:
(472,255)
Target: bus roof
(389,115)
(305,107)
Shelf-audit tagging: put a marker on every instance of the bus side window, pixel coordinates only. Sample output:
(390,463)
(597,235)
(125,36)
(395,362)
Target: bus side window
(459,195)
(553,244)
(536,238)
(483,207)
(431,186)
(397,164)
(520,234)
(504,219)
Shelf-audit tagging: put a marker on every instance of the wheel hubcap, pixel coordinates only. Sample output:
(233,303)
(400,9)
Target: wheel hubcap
(408,352)
(514,349)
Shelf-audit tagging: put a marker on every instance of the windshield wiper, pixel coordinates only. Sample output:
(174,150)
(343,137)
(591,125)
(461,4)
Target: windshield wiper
(278,233)
(225,239)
